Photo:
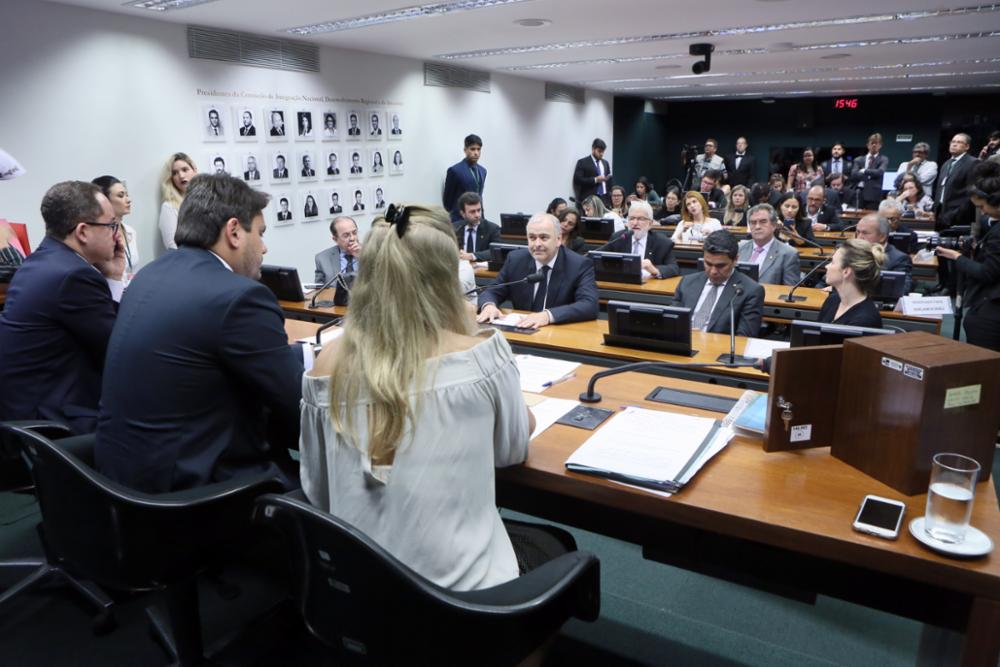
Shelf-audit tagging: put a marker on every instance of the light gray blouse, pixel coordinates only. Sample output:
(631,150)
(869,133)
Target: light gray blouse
(434,508)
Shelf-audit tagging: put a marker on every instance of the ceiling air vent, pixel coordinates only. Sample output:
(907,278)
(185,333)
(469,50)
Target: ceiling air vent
(251,50)
(449,76)
(558,92)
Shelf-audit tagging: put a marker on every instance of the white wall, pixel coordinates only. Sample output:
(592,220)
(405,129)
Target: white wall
(84,93)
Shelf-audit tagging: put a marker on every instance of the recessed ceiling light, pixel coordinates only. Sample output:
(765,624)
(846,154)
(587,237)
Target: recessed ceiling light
(532,23)
(835,56)
(401,14)
(165,5)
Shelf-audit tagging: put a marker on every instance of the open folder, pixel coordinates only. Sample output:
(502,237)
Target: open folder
(652,449)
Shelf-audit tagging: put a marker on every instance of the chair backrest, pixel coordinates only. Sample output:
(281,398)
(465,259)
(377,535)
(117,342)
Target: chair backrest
(369,607)
(124,539)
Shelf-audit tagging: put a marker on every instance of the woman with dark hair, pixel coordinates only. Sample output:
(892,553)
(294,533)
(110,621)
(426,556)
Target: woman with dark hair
(805,173)
(792,214)
(556,206)
(671,206)
(377,166)
(618,204)
(569,220)
(645,192)
(310,210)
(117,194)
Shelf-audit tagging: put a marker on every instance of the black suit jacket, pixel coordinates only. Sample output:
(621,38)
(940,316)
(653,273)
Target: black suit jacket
(747,308)
(248,131)
(198,369)
(54,331)
(486,233)
(745,174)
(716,199)
(572,295)
(982,274)
(584,175)
(828,215)
(458,180)
(659,250)
(897,260)
(956,207)
(869,181)
(846,166)
(279,173)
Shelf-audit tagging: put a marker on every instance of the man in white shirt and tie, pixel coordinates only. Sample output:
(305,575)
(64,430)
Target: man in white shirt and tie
(592,175)
(740,165)
(656,250)
(474,233)
(837,164)
(867,174)
(777,262)
(214,124)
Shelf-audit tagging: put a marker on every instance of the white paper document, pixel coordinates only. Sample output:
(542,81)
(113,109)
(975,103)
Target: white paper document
(508,320)
(761,348)
(540,373)
(640,445)
(548,411)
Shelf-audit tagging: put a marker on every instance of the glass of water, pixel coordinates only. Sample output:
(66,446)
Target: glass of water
(949,499)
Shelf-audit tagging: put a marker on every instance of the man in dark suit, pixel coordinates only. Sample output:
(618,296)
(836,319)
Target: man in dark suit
(353,130)
(709,293)
(280,170)
(875,229)
(200,383)
(359,205)
(710,190)
(335,206)
(277,124)
(592,175)
(656,250)
(247,129)
(474,233)
(332,169)
(356,167)
(566,293)
(284,213)
(867,172)
(465,176)
(341,257)
(953,204)
(822,217)
(60,308)
(252,173)
(307,167)
(838,162)
(740,165)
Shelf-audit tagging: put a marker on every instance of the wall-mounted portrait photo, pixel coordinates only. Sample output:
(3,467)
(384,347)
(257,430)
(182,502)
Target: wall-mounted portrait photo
(333,202)
(218,163)
(332,169)
(276,130)
(245,122)
(376,161)
(306,166)
(304,126)
(395,126)
(358,200)
(251,169)
(310,207)
(280,172)
(353,125)
(396,165)
(284,214)
(330,131)
(212,122)
(357,168)
(376,125)
(378,199)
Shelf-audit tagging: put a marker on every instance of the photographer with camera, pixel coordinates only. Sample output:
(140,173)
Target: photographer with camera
(981,271)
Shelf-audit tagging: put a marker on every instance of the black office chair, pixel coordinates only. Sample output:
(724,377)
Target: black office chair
(130,541)
(371,609)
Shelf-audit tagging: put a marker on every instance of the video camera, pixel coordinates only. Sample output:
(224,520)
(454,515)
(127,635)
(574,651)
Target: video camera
(954,238)
(690,153)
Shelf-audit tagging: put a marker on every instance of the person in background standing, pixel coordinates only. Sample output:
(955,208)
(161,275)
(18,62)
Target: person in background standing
(177,173)
(464,176)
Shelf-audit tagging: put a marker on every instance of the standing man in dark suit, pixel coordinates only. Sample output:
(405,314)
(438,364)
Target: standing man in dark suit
(953,204)
(593,174)
(709,293)
(465,176)
(822,217)
(200,383)
(474,233)
(875,229)
(656,250)
(60,308)
(867,173)
(838,162)
(566,293)
(343,256)
(740,165)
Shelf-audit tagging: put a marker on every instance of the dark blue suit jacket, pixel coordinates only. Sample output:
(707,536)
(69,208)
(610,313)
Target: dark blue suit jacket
(54,331)
(486,233)
(197,357)
(897,260)
(572,295)
(460,180)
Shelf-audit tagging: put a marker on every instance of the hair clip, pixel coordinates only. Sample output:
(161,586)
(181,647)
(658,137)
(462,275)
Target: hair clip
(399,216)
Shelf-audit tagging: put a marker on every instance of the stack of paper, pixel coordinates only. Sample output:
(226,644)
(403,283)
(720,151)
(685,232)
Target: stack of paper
(540,373)
(547,411)
(651,449)
(749,413)
(761,348)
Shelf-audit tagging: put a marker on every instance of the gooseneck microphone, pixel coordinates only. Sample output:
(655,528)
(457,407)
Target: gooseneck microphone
(327,304)
(790,297)
(794,234)
(531,279)
(732,358)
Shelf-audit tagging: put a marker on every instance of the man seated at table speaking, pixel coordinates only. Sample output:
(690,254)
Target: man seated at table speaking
(778,262)
(566,293)
(875,229)
(709,293)
(200,383)
(342,257)
(656,250)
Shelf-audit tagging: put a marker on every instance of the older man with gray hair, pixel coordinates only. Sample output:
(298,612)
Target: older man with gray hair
(875,229)
(924,170)
(555,285)
(777,262)
(656,250)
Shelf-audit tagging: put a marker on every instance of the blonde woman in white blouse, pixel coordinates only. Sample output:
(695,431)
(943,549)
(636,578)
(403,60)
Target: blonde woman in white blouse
(177,173)
(695,222)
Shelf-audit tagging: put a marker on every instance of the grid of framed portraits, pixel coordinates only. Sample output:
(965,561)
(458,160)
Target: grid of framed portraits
(316,162)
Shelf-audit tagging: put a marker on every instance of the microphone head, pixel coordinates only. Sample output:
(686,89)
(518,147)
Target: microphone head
(738,289)
(535,277)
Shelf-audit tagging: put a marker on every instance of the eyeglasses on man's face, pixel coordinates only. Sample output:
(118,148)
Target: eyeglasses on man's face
(113,225)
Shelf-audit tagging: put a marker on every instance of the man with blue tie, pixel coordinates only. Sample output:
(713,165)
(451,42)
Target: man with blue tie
(567,291)
(465,176)
(837,164)
(342,257)
(592,175)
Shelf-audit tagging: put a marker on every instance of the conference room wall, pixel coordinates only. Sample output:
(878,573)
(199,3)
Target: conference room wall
(792,122)
(86,93)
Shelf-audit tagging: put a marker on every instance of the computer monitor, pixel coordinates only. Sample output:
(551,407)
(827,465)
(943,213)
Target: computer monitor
(514,224)
(283,281)
(904,241)
(649,327)
(598,229)
(616,267)
(819,333)
(891,287)
(746,268)
(499,252)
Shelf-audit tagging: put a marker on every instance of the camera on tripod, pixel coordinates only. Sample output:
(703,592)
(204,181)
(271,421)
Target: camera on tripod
(690,153)
(954,238)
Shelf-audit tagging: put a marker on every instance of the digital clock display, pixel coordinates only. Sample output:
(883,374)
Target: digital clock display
(845,103)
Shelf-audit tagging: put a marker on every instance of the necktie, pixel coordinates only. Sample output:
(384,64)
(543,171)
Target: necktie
(868,162)
(350,264)
(538,303)
(215,131)
(836,167)
(470,239)
(705,312)
(637,247)
(739,158)
(944,177)
(600,186)
(755,255)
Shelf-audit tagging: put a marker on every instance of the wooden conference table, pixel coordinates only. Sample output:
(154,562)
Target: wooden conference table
(780,522)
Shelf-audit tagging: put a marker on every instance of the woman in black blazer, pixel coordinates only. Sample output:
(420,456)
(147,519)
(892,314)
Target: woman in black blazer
(853,273)
(569,218)
(793,215)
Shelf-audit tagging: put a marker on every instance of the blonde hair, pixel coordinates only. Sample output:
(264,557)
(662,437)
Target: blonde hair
(168,190)
(865,261)
(685,213)
(596,204)
(732,216)
(406,296)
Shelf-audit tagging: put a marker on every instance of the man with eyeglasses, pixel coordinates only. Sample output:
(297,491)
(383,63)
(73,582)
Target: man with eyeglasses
(61,306)
(924,170)
(656,250)
(343,256)
(777,262)
(710,160)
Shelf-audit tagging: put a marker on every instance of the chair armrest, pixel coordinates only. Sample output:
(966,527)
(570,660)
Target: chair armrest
(578,570)
(44,427)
